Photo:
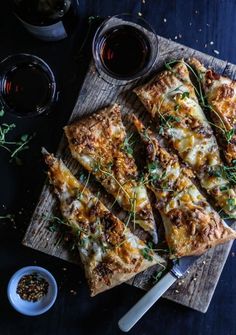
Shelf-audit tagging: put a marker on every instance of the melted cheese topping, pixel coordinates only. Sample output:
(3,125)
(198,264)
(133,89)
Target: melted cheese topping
(99,233)
(102,151)
(186,127)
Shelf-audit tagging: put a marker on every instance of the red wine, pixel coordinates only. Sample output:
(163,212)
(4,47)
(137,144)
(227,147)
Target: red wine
(124,51)
(26,89)
(49,20)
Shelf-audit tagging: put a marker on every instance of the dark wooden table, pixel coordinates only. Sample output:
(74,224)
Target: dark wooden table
(207,25)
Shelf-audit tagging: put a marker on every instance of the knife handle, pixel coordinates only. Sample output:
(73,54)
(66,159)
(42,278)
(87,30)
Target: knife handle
(146,302)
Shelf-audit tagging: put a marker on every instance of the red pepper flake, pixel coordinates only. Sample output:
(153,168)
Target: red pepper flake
(32,287)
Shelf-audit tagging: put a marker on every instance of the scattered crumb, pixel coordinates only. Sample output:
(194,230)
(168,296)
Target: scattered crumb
(196,41)
(182,281)
(175,37)
(195,278)
(64,269)
(187,271)
(190,23)
(140,14)
(179,283)
(165,20)
(208,24)
(203,262)
(73,292)
(143,1)
(35,262)
(211,43)
(180,36)
(176,291)
(233,254)
(199,29)
(196,11)
(205,45)
(47,239)
(216,51)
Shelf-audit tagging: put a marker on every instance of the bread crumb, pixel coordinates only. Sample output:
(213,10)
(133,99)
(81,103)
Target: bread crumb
(175,37)
(73,292)
(176,291)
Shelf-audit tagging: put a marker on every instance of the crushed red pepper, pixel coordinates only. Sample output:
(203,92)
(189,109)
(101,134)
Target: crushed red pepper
(32,287)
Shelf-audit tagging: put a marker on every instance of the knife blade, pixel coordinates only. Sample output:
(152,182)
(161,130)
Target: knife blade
(179,269)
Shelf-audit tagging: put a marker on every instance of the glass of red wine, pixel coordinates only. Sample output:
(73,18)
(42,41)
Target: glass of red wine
(125,48)
(27,85)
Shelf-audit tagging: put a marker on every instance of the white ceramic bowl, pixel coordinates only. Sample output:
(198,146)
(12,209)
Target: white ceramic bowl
(32,308)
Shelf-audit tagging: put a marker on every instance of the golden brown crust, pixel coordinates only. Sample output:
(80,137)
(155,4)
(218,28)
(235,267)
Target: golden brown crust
(191,225)
(171,100)
(110,253)
(99,143)
(221,96)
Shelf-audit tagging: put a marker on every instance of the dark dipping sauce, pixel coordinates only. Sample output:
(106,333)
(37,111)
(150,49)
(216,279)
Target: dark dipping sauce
(26,89)
(124,51)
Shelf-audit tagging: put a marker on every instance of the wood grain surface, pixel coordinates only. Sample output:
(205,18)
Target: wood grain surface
(197,288)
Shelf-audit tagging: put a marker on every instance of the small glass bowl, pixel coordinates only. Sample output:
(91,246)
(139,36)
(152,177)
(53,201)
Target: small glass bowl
(12,62)
(113,23)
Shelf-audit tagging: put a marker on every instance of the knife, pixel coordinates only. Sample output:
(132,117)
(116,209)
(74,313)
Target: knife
(179,269)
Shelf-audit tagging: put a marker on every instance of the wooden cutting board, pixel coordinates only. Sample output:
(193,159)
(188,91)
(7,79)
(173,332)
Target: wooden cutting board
(197,288)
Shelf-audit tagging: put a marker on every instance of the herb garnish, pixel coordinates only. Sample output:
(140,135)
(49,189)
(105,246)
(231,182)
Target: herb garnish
(126,146)
(165,122)
(7,217)
(13,147)
(228,134)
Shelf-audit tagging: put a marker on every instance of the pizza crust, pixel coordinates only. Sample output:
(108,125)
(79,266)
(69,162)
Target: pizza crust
(99,143)
(191,225)
(109,251)
(172,102)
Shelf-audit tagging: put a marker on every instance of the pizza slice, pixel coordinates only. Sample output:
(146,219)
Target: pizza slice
(110,253)
(220,93)
(100,144)
(171,100)
(191,224)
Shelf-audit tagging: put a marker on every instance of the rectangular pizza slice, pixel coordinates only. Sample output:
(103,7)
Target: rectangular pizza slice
(220,93)
(191,224)
(110,252)
(100,144)
(171,100)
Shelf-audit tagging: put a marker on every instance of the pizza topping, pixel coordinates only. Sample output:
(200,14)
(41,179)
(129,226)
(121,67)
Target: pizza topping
(110,159)
(109,251)
(191,225)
